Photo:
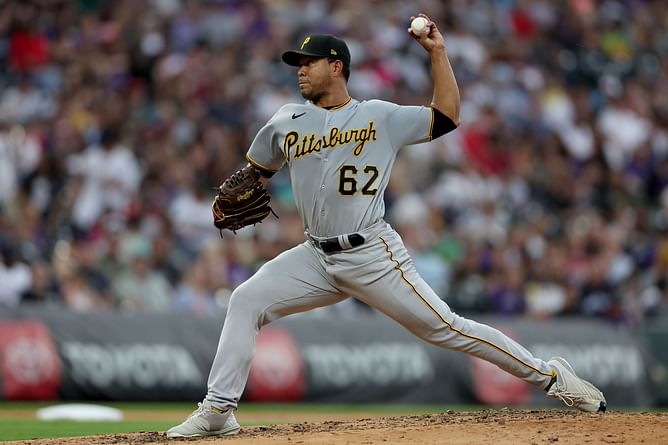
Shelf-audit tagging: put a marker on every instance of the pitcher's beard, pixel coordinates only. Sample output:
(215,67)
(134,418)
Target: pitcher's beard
(312,96)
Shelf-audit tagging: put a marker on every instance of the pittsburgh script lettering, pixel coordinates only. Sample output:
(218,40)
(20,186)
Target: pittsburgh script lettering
(312,143)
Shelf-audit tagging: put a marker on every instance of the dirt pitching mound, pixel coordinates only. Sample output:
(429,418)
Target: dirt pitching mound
(504,426)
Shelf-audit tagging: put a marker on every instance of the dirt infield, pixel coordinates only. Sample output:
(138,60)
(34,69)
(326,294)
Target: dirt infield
(505,426)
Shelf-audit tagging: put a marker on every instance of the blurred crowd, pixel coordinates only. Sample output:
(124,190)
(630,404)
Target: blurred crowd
(117,118)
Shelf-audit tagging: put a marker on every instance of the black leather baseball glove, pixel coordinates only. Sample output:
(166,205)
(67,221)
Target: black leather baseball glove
(242,200)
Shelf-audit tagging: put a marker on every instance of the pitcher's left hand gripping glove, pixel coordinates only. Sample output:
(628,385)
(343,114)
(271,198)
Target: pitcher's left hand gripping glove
(242,200)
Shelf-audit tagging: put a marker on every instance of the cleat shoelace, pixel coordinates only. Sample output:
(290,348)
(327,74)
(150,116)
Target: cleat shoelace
(568,398)
(200,410)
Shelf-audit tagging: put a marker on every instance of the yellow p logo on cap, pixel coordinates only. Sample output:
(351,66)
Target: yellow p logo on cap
(306,40)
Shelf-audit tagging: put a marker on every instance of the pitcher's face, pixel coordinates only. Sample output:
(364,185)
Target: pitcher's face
(315,76)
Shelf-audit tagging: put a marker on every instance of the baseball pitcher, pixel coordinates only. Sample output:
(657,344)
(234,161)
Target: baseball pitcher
(340,153)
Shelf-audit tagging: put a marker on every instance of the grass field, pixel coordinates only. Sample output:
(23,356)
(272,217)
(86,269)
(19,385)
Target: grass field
(18,429)
(18,420)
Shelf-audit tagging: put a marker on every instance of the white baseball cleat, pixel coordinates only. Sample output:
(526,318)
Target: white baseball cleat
(207,420)
(574,391)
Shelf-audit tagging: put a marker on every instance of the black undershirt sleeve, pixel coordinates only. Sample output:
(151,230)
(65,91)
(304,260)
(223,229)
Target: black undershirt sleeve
(442,124)
(263,171)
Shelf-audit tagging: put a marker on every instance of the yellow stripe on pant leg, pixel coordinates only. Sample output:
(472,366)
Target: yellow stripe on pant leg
(482,340)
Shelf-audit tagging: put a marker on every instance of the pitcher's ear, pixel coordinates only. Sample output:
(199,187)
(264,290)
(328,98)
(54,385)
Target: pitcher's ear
(338,65)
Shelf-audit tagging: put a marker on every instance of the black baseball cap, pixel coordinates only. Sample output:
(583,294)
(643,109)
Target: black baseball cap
(319,45)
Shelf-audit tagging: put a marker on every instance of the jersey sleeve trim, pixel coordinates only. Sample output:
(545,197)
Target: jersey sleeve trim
(431,125)
(263,169)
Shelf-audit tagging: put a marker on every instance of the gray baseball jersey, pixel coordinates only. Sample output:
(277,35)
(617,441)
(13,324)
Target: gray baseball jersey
(340,161)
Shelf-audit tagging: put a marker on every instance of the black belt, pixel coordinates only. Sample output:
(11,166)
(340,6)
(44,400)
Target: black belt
(331,245)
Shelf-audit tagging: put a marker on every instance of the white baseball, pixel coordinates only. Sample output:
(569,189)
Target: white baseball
(419,25)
